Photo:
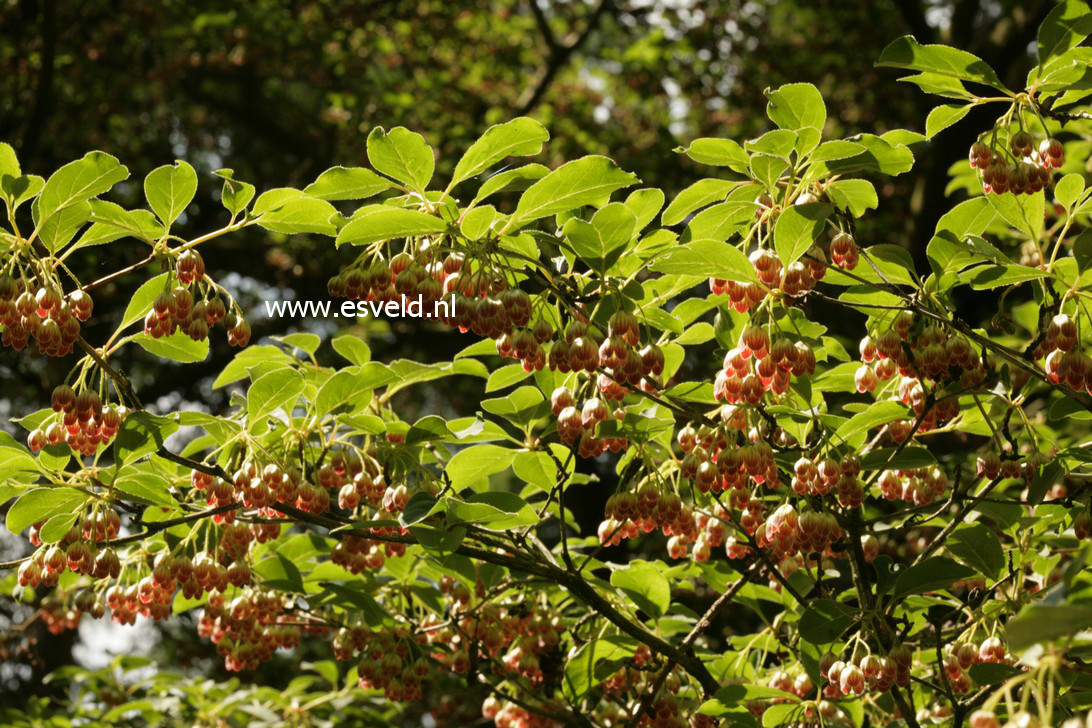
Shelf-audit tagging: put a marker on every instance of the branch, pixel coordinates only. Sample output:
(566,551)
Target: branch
(119,273)
(558,54)
(150,529)
(701,625)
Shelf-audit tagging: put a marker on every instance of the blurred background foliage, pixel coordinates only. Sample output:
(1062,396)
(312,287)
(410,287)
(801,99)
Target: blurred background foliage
(280,90)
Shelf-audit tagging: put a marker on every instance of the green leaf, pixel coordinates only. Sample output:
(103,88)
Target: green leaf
(585,181)
(940,59)
(58,526)
(58,230)
(136,223)
(1068,190)
(592,663)
(708,259)
(943,116)
(14,457)
(477,221)
(933,574)
(1037,623)
(176,347)
(777,143)
(719,222)
(824,621)
(996,276)
(278,572)
(9,162)
(301,340)
(1023,212)
(492,510)
(879,156)
(236,195)
(347,183)
(170,189)
(141,302)
(140,434)
(505,377)
(1065,26)
(1082,250)
(79,181)
(853,195)
(644,582)
(696,196)
(836,149)
(403,155)
(520,137)
(947,250)
(278,388)
(516,179)
(796,106)
(878,413)
(346,387)
(992,673)
(146,486)
(645,204)
(353,348)
(782,714)
(536,468)
(375,223)
(718,153)
(419,507)
(301,214)
(768,170)
(939,85)
(977,547)
(797,228)
(477,462)
(600,242)
(40,504)
(17,190)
